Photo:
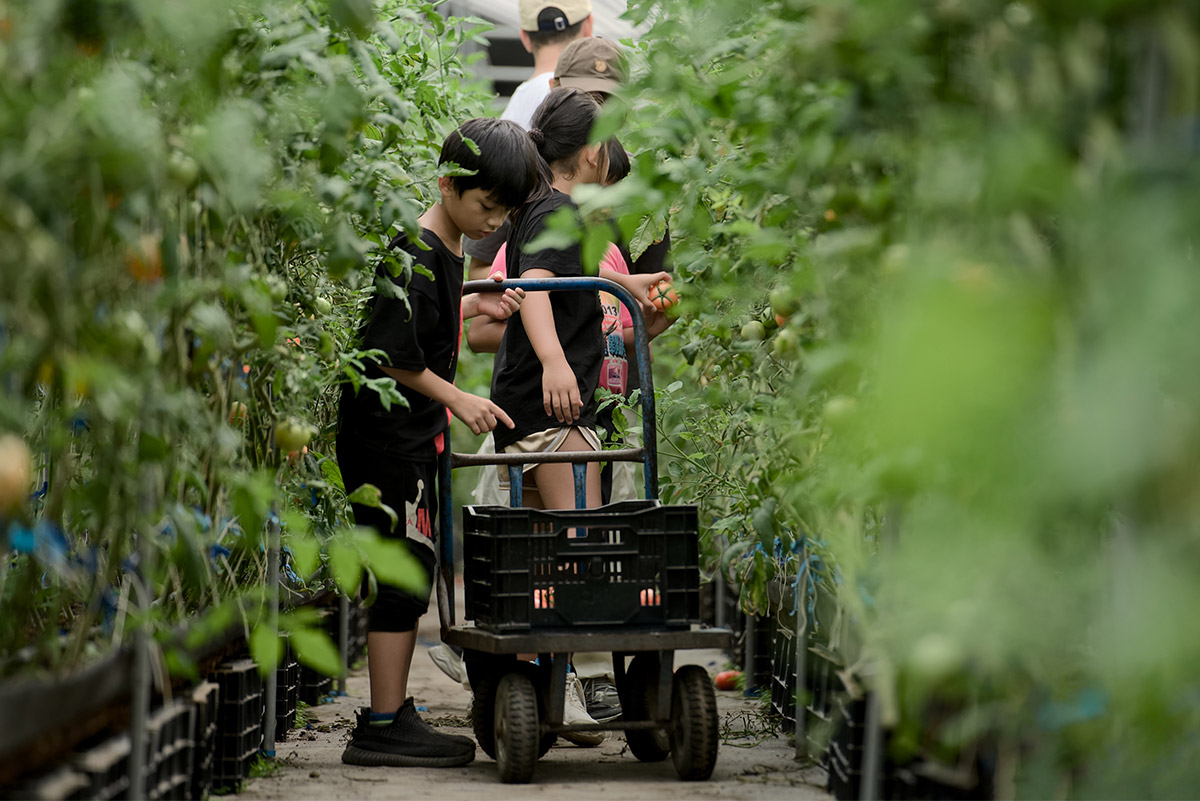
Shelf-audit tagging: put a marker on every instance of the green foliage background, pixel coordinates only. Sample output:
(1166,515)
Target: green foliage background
(192,200)
(983,415)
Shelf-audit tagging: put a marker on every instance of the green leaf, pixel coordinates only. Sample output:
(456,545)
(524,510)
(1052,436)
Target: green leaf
(393,563)
(345,565)
(314,648)
(370,496)
(306,552)
(333,473)
(266,648)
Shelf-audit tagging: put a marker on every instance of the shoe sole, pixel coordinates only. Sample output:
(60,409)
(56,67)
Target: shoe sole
(583,738)
(380,759)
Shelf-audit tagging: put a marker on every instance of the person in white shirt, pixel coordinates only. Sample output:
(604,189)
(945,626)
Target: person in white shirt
(546,29)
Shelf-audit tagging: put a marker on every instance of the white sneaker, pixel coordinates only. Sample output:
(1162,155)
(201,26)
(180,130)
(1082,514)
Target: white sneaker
(575,712)
(450,663)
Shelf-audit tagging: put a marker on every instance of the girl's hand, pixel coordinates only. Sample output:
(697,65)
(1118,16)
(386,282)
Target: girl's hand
(657,322)
(480,414)
(640,286)
(500,306)
(560,392)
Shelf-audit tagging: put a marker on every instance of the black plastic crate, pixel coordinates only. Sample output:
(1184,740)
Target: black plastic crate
(234,755)
(783,676)
(314,685)
(106,767)
(287,691)
(61,784)
(633,563)
(170,745)
(205,699)
(241,692)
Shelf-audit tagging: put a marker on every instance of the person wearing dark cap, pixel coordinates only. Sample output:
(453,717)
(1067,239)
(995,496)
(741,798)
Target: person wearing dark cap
(595,65)
(546,28)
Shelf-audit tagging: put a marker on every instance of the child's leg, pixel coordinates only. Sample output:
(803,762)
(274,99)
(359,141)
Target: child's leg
(389,659)
(556,482)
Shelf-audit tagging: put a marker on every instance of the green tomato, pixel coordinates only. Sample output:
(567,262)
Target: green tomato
(277,288)
(786,344)
(292,434)
(783,302)
(183,169)
(935,656)
(754,331)
(326,349)
(322,304)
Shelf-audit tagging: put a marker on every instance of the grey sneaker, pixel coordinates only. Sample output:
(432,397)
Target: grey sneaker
(603,702)
(450,662)
(406,742)
(575,711)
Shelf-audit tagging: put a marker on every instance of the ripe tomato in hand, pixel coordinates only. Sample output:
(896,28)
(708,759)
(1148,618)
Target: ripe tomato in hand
(663,295)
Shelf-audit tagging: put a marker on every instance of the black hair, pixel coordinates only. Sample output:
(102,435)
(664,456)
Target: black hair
(618,162)
(560,129)
(506,167)
(540,39)
(562,124)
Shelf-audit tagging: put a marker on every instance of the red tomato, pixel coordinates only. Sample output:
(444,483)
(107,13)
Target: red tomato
(663,295)
(727,679)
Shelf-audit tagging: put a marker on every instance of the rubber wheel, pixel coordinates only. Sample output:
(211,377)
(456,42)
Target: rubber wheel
(515,728)
(483,715)
(695,727)
(638,700)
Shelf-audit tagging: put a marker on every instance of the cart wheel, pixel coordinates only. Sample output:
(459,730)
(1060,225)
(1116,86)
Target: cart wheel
(695,725)
(638,700)
(515,728)
(483,711)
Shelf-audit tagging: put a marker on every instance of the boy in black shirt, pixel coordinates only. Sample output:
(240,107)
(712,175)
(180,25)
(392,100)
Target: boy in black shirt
(396,449)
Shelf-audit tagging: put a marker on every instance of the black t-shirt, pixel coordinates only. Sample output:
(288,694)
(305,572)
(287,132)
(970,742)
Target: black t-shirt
(427,336)
(517,378)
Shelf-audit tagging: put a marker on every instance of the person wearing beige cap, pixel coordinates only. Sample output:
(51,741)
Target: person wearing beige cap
(593,65)
(546,29)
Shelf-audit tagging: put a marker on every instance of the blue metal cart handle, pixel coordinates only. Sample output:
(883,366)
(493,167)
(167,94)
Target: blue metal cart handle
(647,454)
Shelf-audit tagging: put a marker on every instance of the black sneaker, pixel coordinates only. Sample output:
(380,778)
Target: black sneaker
(603,702)
(406,742)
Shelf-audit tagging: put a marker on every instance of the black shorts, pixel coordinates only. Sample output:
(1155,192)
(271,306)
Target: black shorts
(410,489)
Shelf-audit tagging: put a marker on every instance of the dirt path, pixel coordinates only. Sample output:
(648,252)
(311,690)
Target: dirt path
(311,767)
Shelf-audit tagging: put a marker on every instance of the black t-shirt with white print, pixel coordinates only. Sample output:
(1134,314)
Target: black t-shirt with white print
(424,333)
(517,378)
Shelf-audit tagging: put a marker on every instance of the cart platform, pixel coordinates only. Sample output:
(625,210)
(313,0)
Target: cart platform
(567,640)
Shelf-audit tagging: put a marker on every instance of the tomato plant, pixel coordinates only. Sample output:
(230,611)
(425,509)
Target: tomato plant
(191,217)
(928,264)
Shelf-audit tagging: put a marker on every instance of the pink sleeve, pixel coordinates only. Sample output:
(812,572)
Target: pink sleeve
(614,261)
(499,262)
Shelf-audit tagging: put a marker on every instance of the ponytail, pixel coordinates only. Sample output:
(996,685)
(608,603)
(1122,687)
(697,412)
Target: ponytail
(560,129)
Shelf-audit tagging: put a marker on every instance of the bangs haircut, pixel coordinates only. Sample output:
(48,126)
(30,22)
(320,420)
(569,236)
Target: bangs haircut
(506,167)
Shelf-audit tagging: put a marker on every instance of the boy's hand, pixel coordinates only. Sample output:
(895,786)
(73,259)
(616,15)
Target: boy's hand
(501,306)
(480,414)
(560,392)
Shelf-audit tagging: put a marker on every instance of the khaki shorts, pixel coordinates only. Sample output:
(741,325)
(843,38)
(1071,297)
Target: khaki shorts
(548,441)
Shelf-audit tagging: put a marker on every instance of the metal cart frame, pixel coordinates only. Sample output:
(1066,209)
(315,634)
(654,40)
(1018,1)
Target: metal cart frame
(518,705)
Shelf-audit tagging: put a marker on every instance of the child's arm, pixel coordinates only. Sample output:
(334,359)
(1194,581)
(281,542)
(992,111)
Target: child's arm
(484,334)
(560,389)
(638,285)
(478,413)
(656,323)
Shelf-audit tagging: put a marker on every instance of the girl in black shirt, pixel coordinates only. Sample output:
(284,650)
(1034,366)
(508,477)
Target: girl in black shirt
(548,366)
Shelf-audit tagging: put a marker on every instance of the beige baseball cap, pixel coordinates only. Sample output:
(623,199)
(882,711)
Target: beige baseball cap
(556,15)
(592,64)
